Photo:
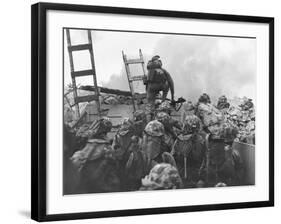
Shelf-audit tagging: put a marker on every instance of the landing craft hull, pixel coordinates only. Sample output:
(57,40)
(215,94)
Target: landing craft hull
(247,152)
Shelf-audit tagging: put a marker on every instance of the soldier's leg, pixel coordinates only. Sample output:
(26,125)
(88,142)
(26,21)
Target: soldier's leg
(164,95)
(165,91)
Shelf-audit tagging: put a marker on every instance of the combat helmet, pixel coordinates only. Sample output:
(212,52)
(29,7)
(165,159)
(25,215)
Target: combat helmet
(222,98)
(155,57)
(191,124)
(155,62)
(154,128)
(162,176)
(204,98)
(165,107)
(162,117)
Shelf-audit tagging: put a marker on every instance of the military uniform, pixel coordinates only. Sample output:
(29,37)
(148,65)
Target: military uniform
(188,109)
(135,165)
(153,144)
(127,147)
(210,116)
(222,162)
(158,80)
(96,162)
(122,139)
(189,150)
(139,122)
(171,128)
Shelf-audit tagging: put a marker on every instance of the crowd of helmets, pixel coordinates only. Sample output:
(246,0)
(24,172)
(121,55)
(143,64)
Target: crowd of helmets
(152,155)
(240,116)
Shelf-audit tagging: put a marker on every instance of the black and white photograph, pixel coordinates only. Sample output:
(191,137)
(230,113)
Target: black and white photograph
(140,112)
(146,111)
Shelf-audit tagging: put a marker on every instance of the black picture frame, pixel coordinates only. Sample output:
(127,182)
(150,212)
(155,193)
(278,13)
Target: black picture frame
(39,114)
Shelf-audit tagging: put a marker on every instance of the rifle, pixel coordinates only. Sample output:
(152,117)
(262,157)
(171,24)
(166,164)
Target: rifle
(177,104)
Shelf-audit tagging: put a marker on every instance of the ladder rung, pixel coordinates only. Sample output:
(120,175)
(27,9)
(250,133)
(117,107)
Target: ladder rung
(134,61)
(80,47)
(83,73)
(88,98)
(136,78)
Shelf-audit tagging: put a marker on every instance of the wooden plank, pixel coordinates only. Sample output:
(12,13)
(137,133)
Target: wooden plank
(134,61)
(83,73)
(107,90)
(88,98)
(80,47)
(114,91)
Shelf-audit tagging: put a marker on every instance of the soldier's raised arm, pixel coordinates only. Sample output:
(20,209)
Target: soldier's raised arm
(170,82)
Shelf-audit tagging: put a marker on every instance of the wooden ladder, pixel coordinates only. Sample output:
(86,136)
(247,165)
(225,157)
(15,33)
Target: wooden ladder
(132,78)
(90,72)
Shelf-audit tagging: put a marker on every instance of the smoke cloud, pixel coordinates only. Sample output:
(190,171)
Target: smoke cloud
(215,65)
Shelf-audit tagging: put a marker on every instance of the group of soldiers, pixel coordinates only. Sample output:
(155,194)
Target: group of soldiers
(154,151)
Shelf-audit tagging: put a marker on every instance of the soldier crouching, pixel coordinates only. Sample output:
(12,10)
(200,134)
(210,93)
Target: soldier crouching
(171,129)
(139,122)
(96,161)
(189,151)
(154,146)
(222,164)
(127,147)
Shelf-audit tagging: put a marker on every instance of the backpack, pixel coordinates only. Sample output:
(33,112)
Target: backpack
(157,75)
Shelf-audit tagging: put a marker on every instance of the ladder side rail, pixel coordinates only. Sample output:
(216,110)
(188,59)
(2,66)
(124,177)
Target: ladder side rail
(131,86)
(72,71)
(94,75)
(132,90)
(129,79)
(142,64)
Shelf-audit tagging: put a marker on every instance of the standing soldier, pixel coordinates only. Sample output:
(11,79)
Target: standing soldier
(158,80)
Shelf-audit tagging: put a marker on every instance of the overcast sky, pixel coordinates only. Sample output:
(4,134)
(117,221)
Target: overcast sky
(215,65)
